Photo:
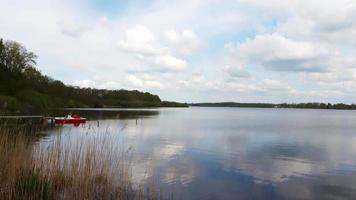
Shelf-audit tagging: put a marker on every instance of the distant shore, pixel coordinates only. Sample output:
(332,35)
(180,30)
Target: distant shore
(314,105)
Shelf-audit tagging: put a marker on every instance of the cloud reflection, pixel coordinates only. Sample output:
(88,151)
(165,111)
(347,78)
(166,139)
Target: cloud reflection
(247,153)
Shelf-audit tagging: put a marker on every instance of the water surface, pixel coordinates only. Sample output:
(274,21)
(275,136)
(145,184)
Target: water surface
(233,153)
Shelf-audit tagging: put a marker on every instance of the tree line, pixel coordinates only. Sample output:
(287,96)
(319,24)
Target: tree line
(24,89)
(314,105)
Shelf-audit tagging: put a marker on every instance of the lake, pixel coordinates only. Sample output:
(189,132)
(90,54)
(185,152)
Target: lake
(231,153)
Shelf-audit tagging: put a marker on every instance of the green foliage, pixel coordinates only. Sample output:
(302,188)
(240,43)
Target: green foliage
(33,100)
(8,103)
(234,104)
(24,89)
(173,104)
(339,106)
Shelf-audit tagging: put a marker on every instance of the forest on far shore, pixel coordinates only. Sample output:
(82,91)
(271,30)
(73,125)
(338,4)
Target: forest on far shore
(314,105)
(25,90)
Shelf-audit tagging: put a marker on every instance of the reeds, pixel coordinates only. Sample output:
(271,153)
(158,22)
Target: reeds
(74,169)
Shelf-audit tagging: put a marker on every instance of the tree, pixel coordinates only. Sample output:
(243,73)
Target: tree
(25,88)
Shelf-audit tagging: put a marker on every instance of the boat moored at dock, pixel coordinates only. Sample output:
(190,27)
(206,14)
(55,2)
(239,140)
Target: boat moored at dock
(75,119)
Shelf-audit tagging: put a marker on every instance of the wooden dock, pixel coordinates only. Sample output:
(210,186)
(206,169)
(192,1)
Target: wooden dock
(36,119)
(23,117)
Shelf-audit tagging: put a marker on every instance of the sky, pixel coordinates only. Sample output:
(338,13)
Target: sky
(194,50)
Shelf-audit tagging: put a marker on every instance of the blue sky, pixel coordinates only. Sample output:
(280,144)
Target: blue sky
(194,50)
(115,8)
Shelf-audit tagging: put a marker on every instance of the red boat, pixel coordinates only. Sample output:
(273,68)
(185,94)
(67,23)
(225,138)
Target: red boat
(75,119)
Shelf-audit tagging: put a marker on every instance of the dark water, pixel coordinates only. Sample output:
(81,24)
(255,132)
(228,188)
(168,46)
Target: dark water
(235,153)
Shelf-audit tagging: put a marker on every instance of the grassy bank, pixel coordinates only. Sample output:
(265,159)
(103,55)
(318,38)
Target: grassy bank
(64,170)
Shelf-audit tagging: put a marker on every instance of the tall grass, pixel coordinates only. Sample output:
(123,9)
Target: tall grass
(78,169)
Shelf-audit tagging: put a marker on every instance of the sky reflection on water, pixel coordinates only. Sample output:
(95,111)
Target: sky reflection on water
(238,153)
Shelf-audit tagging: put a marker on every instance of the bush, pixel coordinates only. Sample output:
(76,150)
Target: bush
(8,103)
(35,102)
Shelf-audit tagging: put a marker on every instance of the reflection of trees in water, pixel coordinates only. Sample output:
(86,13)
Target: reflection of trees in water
(108,114)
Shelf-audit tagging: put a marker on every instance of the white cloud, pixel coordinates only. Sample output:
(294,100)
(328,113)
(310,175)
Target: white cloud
(275,52)
(237,72)
(268,86)
(333,77)
(135,81)
(328,21)
(170,62)
(275,86)
(314,41)
(85,84)
(141,40)
(131,82)
(141,83)
(183,43)
(114,85)
(97,84)
(151,52)
(73,28)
